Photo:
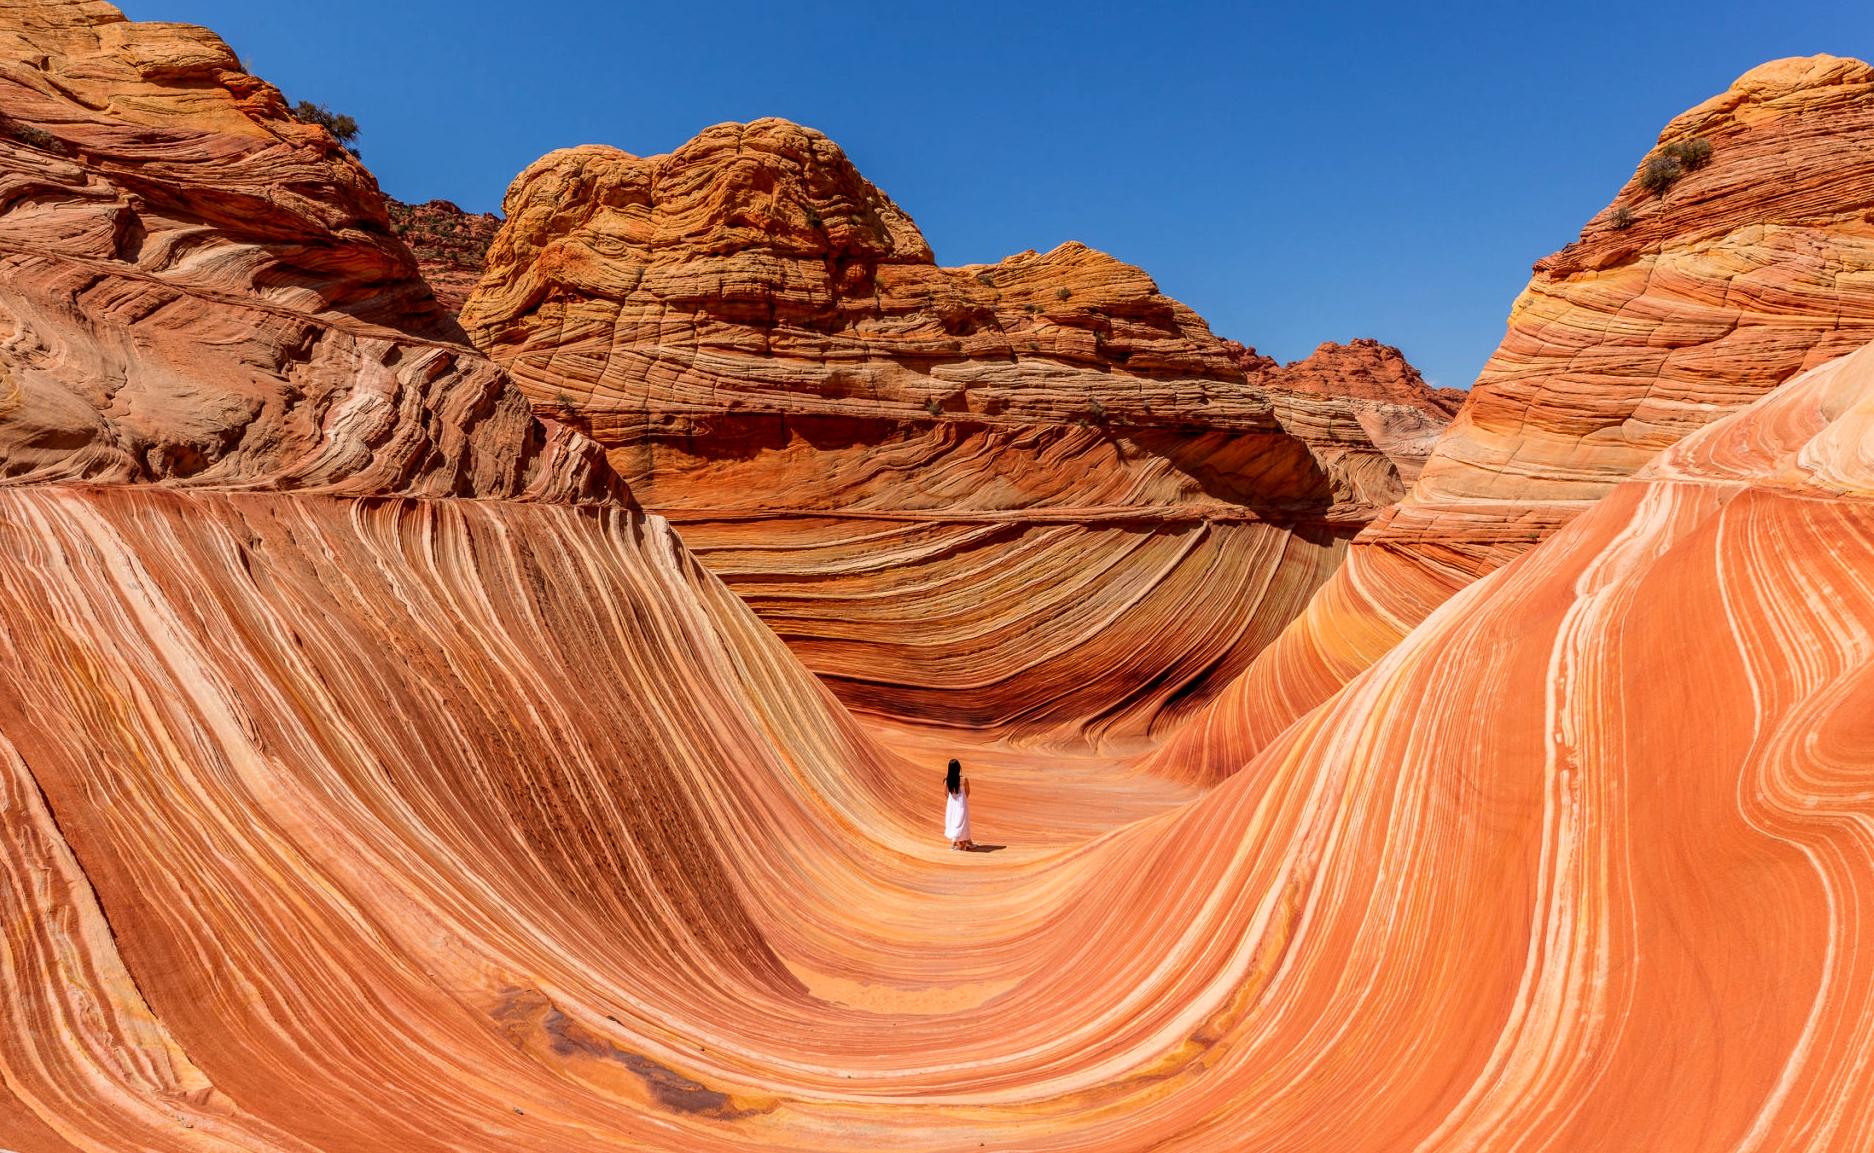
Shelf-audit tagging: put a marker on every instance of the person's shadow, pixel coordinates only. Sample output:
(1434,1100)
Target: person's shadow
(988,848)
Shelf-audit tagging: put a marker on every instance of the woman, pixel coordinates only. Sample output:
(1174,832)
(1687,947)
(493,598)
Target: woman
(957,809)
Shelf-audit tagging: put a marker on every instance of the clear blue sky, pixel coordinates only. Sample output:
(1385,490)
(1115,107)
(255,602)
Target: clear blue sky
(1296,172)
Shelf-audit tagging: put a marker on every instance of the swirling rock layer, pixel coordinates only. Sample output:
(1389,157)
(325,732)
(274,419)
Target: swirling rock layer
(954,491)
(1672,310)
(392,807)
(203,291)
(340,824)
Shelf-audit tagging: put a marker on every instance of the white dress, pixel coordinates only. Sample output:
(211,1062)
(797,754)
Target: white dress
(956,816)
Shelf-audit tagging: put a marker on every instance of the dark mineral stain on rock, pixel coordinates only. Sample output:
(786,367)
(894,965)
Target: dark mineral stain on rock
(668,1087)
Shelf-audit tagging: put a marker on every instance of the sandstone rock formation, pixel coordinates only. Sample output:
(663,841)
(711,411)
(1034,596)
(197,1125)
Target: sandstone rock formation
(975,496)
(1622,776)
(428,808)
(450,246)
(1672,310)
(205,292)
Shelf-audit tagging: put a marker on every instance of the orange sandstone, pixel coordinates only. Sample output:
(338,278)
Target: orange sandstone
(205,292)
(416,803)
(1036,498)
(1743,273)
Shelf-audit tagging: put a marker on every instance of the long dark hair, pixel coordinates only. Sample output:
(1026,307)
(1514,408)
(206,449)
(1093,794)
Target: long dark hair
(953,780)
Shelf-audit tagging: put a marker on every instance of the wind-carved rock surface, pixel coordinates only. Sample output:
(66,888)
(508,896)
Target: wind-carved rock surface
(1037,497)
(450,246)
(401,824)
(1671,311)
(205,292)
(340,819)
(1624,774)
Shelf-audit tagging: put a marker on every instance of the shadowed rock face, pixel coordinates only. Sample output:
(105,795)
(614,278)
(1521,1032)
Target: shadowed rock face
(205,292)
(947,488)
(1671,311)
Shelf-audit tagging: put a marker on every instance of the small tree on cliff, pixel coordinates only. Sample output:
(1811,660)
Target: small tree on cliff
(342,127)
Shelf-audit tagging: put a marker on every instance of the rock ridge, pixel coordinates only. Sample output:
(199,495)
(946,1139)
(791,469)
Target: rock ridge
(764,343)
(205,292)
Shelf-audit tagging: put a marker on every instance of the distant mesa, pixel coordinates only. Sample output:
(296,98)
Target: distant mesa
(450,245)
(1365,369)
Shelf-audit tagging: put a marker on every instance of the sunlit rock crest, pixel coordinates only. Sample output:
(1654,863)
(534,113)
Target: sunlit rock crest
(1036,498)
(1676,307)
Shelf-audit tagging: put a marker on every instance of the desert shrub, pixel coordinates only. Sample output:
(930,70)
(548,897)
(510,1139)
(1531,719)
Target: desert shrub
(1622,219)
(1660,173)
(1096,412)
(342,127)
(934,406)
(1063,294)
(1666,167)
(1692,154)
(34,137)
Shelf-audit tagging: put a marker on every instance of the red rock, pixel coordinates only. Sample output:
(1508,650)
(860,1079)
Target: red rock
(205,291)
(953,491)
(336,817)
(450,246)
(1610,780)
(1745,272)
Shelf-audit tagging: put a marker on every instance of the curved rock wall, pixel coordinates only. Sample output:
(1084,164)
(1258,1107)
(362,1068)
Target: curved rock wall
(344,824)
(1674,308)
(372,811)
(951,490)
(205,292)
(1621,776)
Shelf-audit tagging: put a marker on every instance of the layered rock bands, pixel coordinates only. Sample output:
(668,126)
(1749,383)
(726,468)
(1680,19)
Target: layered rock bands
(1690,296)
(1036,498)
(376,775)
